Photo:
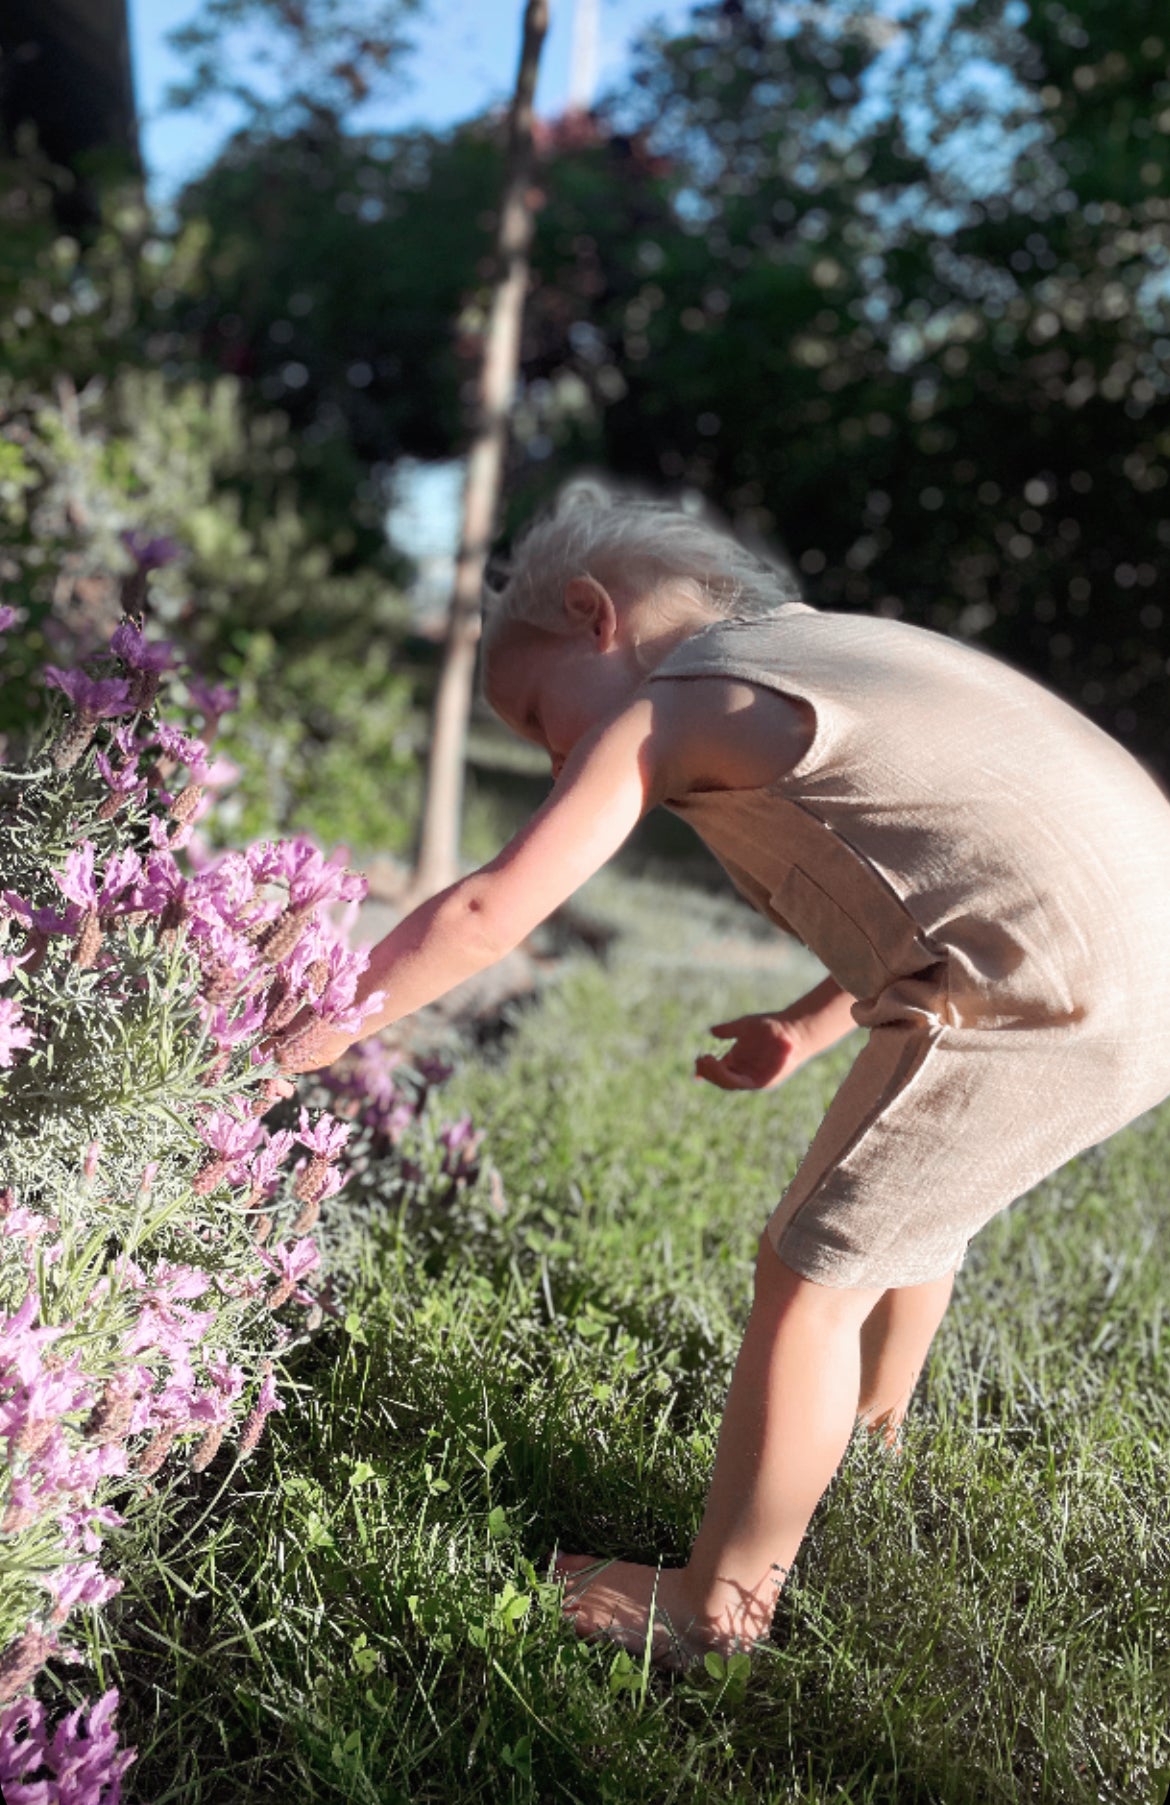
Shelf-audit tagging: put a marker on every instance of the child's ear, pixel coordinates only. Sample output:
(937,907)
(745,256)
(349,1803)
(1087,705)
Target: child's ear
(589,604)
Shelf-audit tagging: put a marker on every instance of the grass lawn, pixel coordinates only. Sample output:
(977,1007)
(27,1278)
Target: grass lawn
(359,1614)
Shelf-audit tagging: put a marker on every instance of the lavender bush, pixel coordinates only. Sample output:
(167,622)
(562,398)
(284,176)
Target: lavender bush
(152,1227)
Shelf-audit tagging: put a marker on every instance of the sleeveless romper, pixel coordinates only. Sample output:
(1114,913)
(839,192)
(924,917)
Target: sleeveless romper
(988,874)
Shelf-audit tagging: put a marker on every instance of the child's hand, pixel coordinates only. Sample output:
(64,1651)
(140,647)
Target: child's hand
(309,1044)
(768,1048)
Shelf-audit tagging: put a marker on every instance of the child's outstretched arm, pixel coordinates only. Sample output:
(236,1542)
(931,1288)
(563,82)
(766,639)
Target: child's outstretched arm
(614,775)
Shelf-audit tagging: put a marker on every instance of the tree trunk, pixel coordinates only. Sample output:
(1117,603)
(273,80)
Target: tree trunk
(438,857)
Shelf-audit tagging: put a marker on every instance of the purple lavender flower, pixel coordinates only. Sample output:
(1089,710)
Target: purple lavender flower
(211,699)
(34,1408)
(81,1527)
(94,698)
(265,1404)
(184,749)
(268,1159)
(126,742)
(81,1583)
(394,1122)
(219,774)
(164,885)
(268,1400)
(344,968)
(84,1767)
(367,1081)
(60,1469)
(173,1330)
(122,873)
(9,617)
(14,1031)
(228,1136)
(10,962)
(42,921)
(333,1182)
(137,652)
(350,1020)
(460,1135)
(327,1138)
(222,951)
(311,878)
(170,1281)
(460,1142)
(227,1031)
(23,1225)
(292,1263)
(123,783)
(227,1378)
(148,553)
(20,1343)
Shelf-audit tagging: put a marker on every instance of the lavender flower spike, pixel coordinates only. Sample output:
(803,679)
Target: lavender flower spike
(265,1404)
(148,553)
(211,699)
(137,652)
(327,1138)
(94,698)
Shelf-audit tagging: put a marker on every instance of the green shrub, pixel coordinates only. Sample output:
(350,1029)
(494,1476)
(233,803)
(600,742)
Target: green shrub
(323,744)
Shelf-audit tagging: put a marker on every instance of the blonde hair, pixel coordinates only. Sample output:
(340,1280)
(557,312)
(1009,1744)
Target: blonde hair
(655,549)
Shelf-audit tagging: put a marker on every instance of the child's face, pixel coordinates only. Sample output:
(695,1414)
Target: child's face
(552,688)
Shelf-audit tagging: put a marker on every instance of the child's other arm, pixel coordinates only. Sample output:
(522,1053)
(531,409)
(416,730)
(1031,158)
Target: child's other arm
(612,777)
(768,1048)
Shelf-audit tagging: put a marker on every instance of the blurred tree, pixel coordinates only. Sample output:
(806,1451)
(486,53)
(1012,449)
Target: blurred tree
(287,61)
(889,283)
(67,92)
(912,313)
(337,269)
(437,864)
(349,278)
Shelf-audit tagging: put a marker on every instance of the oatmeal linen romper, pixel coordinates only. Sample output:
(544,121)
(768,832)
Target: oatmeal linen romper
(989,875)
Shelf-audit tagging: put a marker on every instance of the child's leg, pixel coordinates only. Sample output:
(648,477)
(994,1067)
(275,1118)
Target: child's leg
(895,1339)
(790,1413)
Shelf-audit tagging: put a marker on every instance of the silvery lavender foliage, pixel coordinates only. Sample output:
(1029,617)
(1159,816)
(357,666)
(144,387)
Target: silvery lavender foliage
(150,1224)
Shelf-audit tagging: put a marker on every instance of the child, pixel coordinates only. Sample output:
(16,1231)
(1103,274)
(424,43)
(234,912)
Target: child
(983,873)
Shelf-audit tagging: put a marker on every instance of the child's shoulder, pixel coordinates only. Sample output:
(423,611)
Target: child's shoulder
(726,732)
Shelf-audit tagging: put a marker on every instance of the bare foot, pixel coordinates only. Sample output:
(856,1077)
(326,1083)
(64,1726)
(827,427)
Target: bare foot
(612,1601)
(887,1427)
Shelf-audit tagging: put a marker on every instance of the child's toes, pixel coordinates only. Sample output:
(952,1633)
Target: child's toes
(577,1568)
(573,1563)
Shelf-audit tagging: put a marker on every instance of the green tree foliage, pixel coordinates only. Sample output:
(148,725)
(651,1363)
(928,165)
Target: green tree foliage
(337,270)
(891,285)
(349,276)
(912,316)
(336,759)
(283,60)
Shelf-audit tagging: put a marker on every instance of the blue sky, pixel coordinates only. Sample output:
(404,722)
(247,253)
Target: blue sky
(465,60)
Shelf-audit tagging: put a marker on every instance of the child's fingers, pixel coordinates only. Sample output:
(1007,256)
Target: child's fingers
(728,1030)
(716,1072)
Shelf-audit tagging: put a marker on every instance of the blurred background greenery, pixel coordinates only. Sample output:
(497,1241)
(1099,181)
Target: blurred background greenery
(885,281)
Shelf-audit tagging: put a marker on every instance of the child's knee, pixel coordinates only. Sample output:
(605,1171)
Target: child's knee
(779,1285)
(772,1272)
